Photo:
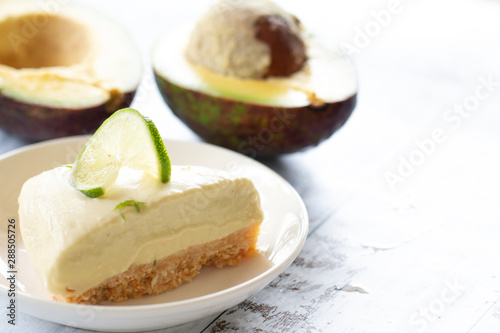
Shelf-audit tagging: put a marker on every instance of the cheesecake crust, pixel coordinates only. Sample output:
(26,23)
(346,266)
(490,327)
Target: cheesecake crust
(172,271)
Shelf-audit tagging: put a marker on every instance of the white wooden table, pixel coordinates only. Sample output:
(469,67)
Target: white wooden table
(404,201)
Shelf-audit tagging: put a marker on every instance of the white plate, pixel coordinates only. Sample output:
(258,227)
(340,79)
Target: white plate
(283,234)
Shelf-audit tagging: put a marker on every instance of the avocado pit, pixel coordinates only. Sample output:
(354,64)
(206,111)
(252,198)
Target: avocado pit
(288,52)
(252,40)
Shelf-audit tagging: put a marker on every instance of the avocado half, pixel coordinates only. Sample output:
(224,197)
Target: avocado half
(63,69)
(257,117)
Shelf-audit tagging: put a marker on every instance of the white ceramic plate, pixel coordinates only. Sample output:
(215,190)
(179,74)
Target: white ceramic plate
(283,234)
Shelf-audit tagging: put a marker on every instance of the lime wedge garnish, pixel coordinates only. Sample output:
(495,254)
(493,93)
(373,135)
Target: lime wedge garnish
(126,138)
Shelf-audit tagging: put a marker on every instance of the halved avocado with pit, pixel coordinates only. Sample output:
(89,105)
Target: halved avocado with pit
(62,72)
(280,112)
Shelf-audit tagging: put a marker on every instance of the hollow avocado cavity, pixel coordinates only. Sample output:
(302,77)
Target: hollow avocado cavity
(40,40)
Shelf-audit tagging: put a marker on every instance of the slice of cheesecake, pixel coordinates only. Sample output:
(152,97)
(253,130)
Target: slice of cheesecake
(142,237)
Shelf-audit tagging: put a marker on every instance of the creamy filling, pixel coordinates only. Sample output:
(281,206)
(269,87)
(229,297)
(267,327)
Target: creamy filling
(72,272)
(74,242)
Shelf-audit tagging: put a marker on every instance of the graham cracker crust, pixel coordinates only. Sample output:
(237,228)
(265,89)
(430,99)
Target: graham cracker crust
(172,271)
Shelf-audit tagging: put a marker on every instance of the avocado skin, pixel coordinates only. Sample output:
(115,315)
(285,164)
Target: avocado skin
(34,122)
(255,130)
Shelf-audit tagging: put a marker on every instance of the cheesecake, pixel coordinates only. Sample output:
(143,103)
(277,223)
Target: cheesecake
(143,237)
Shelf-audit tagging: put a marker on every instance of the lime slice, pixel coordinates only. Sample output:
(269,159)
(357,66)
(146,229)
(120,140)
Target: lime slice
(126,138)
